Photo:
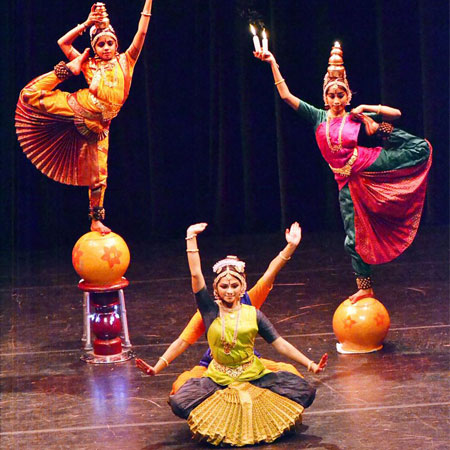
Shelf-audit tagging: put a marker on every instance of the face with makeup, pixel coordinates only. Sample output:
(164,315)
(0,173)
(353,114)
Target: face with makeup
(337,99)
(229,289)
(106,47)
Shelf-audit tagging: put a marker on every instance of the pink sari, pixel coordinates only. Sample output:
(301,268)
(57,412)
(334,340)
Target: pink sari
(388,206)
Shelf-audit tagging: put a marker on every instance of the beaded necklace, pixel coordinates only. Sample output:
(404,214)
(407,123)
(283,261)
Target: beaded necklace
(334,148)
(227,346)
(109,66)
(100,67)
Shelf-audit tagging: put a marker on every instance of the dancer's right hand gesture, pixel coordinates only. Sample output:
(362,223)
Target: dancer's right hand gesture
(265,56)
(144,367)
(195,267)
(196,229)
(94,17)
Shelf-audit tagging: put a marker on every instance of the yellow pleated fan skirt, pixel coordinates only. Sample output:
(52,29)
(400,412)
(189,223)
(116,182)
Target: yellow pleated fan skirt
(243,414)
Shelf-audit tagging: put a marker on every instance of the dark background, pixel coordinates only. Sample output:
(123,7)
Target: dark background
(203,135)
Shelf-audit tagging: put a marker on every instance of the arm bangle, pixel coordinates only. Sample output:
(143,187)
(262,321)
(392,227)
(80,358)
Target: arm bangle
(165,360)
(284,258)
(278,82)
(310,365)
(146,14)
(191,236)
(192,250)
(379,109)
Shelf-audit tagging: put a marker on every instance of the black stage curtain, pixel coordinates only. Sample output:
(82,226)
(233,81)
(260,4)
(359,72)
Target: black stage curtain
(203,135)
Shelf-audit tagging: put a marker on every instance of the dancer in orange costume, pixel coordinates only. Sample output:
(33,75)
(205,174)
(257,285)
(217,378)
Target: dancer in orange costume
(65,135)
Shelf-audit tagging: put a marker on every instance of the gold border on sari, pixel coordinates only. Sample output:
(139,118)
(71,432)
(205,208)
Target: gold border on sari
(347,169)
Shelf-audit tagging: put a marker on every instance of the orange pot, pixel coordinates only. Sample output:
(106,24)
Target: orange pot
(101,260)
(360,327)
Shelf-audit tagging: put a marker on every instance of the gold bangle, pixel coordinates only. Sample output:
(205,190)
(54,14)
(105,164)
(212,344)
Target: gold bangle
(278,82)
(146,14)
(284,258)
(165,360)
(379,109)
(192,250)
(191,236)
(310,365)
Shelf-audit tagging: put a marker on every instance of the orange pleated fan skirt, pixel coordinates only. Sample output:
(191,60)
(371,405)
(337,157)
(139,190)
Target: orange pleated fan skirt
(53,144)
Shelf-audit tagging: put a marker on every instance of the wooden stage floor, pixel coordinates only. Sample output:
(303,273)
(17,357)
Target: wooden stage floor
(397,398)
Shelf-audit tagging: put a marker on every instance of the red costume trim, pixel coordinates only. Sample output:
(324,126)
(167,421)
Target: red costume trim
(388,206)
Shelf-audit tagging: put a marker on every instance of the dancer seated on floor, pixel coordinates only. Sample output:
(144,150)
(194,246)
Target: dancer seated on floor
(255,296)
(231,329)
(381,171)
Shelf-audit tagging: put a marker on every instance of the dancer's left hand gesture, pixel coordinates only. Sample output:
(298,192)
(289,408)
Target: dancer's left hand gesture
(369,124)
(316,368)
(294,234)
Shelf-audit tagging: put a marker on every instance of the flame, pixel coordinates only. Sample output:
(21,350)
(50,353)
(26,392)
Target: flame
(252,29)
(264,35)
(336,44)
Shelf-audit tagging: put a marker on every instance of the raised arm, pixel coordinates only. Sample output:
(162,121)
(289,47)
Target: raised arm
(195,327)
(280,82)
(386,111)
(193,255)
(293,237)
(287,349)
(65,42)
(139,38)
(258,293)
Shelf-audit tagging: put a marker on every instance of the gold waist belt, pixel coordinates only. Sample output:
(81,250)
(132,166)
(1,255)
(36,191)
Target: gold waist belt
(347,169)
(234,372)
(109,110)
(81,110)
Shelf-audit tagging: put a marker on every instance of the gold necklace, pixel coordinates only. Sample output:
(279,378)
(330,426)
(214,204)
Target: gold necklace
(227,346)
(335,148)
(109,66)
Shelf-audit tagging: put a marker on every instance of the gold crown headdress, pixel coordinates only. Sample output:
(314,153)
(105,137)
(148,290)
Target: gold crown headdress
(231,265)
(103,28)
(336,74)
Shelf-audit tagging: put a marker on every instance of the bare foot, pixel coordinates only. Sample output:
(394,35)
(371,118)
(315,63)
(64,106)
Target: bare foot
(96,225)
(75,64)
(362,293)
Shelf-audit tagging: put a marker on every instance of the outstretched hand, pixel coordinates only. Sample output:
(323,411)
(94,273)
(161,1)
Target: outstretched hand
(196,229)
(316,368)
(264,56)
(144,367)
(294,234)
